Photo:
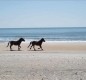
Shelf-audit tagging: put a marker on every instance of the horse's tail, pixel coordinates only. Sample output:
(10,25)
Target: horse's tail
(29,44)
(8,44)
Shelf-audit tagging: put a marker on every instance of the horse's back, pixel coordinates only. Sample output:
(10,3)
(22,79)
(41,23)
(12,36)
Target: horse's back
(34,42)
(13,42)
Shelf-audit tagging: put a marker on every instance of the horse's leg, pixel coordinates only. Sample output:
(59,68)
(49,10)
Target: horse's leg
(34,48)
(18,47)
(41,47)
(31,47)
(10,47)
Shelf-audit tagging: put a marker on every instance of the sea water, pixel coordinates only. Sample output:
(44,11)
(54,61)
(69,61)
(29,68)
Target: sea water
(49,34)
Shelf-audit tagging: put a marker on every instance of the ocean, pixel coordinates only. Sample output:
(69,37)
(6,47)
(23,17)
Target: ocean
(49,34)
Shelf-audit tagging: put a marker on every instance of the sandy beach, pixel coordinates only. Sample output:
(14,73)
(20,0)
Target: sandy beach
(58,61)
(50,46)
(58,25)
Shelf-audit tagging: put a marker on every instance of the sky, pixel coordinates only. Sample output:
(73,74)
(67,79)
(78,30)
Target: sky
(42,13)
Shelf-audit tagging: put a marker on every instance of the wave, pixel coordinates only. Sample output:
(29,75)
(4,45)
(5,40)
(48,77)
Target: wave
(47,40)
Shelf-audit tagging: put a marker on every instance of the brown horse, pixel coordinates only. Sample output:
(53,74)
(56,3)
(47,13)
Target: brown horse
(37,43)
(17,43)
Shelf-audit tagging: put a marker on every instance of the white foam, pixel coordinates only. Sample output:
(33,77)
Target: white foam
(66,41)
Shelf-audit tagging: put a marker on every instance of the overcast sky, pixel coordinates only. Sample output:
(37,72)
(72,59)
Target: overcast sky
(42,13)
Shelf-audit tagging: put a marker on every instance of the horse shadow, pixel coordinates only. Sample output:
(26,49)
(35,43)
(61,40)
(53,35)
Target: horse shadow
(35,50)
(13,50)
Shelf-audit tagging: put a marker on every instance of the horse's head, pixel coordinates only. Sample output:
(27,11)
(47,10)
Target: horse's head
(22,39)
(42,40)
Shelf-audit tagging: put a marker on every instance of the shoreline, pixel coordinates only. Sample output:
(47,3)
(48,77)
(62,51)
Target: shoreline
(65,41)
(50,47)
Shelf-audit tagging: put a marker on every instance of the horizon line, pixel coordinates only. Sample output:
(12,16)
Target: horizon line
(41,27)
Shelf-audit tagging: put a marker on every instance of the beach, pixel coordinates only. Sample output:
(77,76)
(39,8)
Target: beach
(60,60)
(58,25)
(50,46)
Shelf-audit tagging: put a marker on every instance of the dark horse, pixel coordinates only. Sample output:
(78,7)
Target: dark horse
(17,43)
(38,43)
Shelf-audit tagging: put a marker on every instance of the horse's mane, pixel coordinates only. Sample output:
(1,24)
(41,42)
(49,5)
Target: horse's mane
(41,40)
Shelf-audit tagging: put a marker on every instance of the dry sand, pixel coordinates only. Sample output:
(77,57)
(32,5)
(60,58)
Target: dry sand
(58,61)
